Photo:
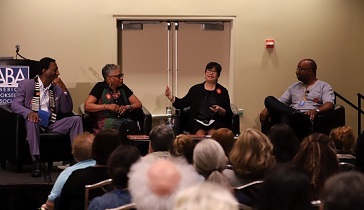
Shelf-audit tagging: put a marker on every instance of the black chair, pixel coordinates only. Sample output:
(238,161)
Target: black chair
(323,123)
(143,119)
(180,120)
(14,146)
(251,190)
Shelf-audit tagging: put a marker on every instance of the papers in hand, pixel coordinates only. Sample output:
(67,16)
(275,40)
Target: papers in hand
(205,123)
(43,117)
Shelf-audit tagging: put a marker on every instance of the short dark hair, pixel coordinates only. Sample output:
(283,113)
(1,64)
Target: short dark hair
(119,163)
(285,142)
(44,64)
(343,191)
(104,144)
(161,138)
(285,187)
(214,65)
(313,65)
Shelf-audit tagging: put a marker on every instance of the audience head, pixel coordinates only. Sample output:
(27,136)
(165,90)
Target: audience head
(251,155)
(285,142)
(161,138)
(104,144)
(225,137)
(183,146)
(107,69)
(215,65)
(82,146)
(44,64)
(317,158)
(209,160)
(119,163)
(344,191)
(285,187)
(205,196)
(153,183)
(344,139)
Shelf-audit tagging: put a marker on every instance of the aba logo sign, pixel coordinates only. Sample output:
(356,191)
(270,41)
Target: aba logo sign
(9,78)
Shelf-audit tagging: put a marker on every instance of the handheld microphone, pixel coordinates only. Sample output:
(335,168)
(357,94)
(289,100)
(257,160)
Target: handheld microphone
(307,92)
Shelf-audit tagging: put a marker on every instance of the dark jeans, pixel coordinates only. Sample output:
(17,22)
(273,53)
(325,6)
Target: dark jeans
(282,113)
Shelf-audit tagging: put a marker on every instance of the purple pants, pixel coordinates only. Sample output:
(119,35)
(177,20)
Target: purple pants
(68,125)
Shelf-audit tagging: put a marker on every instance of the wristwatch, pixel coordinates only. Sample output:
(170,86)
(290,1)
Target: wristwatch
(317,110)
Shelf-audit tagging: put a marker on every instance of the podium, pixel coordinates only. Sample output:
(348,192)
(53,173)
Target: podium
(12,71)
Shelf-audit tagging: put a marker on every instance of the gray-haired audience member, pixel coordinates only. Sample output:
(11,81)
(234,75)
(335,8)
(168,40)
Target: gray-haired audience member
(153,183)
(205,196)
(344,191)
(209,160)
(161,142)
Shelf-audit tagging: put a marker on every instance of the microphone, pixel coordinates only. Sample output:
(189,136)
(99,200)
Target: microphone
(17,47)
(307,91)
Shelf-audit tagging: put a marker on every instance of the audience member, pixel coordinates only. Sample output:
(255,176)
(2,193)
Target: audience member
(344,191)
(73,192)
(183,146)
(205,196)
(250,157)
(119,164)
(209,160)
(161,142)
(82,152)
(46,105)
(344,140)
(153,183)
(317,158)
(113,104)
(309,96)
(209,103)
(285,143)
(359,152)
(285,187)
(225,137)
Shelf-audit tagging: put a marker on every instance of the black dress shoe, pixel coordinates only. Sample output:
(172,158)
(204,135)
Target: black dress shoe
(37,169)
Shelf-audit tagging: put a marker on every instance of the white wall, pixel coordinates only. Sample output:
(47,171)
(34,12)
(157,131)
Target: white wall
(81,36)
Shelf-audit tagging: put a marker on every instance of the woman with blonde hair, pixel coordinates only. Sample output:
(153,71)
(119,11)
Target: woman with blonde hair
(209,160)
(183,146)
(344,139)
(250,157)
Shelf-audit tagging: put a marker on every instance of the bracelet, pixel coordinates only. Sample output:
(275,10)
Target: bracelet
(104,107)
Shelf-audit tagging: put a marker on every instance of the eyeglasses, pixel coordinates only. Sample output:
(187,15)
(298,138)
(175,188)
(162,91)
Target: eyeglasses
(299,68)
(117,76)
(212,71)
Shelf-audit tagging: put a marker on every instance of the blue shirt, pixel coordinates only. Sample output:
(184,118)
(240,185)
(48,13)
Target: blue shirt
(303,98)
(62,178)
(111,199)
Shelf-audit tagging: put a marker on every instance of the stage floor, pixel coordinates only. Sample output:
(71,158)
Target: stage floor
(21,191)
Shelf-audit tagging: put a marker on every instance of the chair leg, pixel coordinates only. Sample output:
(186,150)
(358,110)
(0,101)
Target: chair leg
(3,164)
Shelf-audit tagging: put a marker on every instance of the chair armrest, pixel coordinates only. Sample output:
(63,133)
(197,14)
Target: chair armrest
(235,122)
(146,125)
(327,121)
(86,117)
